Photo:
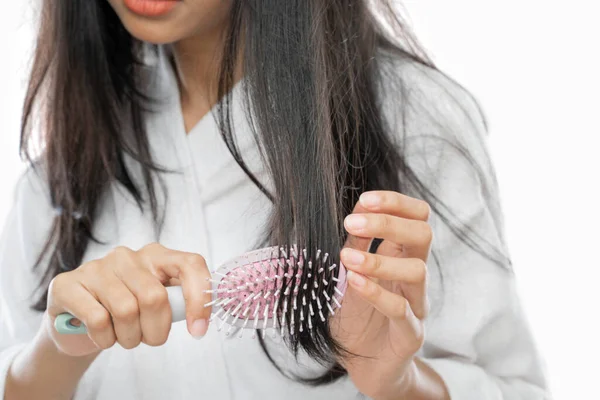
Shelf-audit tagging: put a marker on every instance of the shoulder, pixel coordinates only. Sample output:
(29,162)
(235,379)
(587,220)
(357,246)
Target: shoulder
(32,186)
(442,134)
(23,236)
(32,193)
(32,214)
(437,123)
(428,95)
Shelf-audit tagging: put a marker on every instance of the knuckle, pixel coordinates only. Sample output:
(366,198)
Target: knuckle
(426,213)
(153,247)
(94,266)
(426,309)
(420,339)
(417,341)
(401,308)
(420,271)
(122,253)
(374,264)
(426,233)
(129,344)
(98,321)
(105,343)
(195,260)
(385,197)
(156,340)
(126,310)
(154,297)
(58,283)
(384,222)
(373,290)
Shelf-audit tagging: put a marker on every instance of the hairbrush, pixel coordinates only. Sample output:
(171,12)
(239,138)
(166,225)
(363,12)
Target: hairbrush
(283,289)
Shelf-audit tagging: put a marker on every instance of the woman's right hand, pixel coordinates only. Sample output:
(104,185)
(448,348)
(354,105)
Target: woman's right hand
(121,298)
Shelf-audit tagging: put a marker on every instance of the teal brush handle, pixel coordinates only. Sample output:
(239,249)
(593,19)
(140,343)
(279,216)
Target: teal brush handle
(64,322)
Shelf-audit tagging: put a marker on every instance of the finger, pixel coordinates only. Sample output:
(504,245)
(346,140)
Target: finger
(393,306)
(153,302)
(414,235)
(119,301)
(173,282)
(394,203)
(391,249)
(191,270)
(358,242)
(411,272)
(387,202)
(80,303)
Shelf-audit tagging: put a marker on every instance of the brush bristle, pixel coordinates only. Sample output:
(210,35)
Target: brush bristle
(276,288)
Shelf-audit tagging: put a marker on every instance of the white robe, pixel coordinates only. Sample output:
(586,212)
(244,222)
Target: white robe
(476,338)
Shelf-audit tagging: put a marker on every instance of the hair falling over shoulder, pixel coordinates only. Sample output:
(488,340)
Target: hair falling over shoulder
(324,141)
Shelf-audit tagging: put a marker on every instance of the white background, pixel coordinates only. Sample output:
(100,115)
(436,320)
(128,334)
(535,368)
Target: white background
(534,66)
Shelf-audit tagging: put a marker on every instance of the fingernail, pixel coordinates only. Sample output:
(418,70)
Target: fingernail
(356,221)
(199,328)
(356,279)
(353,257)
(370,199)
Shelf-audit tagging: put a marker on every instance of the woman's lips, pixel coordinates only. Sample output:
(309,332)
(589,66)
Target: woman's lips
(151,8)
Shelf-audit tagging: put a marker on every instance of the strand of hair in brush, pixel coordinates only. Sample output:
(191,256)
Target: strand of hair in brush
(278,288)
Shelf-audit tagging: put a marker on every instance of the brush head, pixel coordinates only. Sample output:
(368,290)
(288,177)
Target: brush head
(280,288)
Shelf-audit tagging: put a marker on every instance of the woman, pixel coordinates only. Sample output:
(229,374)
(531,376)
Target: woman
(177,134)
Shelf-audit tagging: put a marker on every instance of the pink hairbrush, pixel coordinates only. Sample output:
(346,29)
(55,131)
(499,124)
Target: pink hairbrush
(259,289)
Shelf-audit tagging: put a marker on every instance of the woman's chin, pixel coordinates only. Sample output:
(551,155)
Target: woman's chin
(153,33)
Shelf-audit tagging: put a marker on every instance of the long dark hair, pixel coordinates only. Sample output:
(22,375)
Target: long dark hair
(312,73)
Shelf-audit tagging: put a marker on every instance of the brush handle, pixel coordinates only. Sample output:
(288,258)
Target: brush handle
(63,322)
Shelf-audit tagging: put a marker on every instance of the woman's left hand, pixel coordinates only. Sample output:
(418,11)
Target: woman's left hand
(381,319)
